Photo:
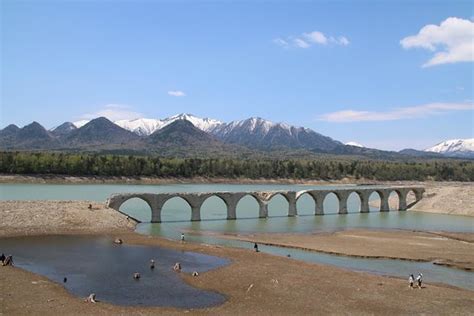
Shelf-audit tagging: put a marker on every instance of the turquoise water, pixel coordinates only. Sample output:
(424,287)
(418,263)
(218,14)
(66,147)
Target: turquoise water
(176,214)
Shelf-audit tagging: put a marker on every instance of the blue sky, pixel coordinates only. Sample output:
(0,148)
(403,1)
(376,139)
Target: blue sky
(355,71)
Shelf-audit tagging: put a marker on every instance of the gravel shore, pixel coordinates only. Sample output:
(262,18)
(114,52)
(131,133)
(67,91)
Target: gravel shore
(23,218)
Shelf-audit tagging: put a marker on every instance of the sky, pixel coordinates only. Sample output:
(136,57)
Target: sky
(386,74)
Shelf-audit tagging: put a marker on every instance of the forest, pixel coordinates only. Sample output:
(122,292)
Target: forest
(323,168)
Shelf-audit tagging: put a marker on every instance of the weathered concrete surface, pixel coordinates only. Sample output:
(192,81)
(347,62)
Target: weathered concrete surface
(231,199)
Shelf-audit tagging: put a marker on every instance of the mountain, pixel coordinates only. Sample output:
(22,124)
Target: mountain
(204,124)
(258,133)
(185,135)
(101,132)
(454,148)
(182,138)
(142,126)
(355,144)
(63,129)
(8,136)
(31,136)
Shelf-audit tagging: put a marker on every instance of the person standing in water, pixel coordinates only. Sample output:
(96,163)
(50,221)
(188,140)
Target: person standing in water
(182,237)
(255,247)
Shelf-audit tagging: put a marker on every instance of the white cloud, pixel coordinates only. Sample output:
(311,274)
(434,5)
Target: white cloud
(307,40)
(114,112)
(281,42)
(451,42)
(342,40)
(397,113)
(316,37)
(176,93)
(301,43)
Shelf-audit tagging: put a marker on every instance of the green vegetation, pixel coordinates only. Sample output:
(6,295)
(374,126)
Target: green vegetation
(319,168)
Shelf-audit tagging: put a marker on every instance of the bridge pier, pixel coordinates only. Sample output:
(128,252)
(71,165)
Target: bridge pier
(319,204)
(364,203)
(196,213)
(402,200)
(384,206)
(263,210)
(291,197)
(342,197)
(156,215)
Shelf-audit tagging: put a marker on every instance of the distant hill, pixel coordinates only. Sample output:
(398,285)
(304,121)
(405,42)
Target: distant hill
(63,129)
(100,132)
(31,136)
(182,138)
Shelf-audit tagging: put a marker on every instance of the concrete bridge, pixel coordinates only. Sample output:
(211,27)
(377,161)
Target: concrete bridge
(231,199)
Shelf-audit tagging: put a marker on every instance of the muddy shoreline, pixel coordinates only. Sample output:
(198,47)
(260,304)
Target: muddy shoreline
(254,283)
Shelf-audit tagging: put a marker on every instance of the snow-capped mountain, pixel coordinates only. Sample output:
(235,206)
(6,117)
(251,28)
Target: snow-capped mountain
(454,147)
(145,126)
(355,144)
(259,133)
(141,126)
(254,132)
(204,124)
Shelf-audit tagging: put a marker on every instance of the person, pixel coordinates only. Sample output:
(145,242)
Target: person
(411,280)
(65,280)
(419,280)
(255,247)
(90,206)
(2,257)
(91,298)
(136,275)
(177,267)
(182,237)
(152,264)
(8,261)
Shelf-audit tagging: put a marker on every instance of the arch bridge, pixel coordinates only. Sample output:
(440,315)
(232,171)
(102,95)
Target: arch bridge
(231,199)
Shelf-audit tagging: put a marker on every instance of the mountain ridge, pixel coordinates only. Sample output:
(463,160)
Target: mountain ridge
(185,135)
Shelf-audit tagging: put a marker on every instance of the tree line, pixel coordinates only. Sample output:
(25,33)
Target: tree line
(324,168)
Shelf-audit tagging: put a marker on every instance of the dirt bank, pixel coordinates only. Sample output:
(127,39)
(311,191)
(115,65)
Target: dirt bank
(21,218)
(446,249)
(65,179)
(255,284)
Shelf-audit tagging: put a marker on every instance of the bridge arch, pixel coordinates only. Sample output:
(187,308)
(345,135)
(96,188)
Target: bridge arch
(176,208)
(244,205)
(137,207)
(395,199)
(214,206)
(354,202)
(278,204)
(305,203)
(331,203)
(375,201)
